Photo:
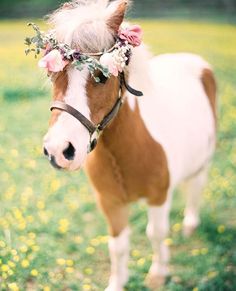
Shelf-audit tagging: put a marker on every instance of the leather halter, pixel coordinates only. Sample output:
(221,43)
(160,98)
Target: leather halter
(95,130)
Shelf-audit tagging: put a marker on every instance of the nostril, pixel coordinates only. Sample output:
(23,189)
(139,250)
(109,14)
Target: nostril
(69,152)
(45,152)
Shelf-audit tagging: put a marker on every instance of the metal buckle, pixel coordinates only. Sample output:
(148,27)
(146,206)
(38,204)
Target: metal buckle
(93,140)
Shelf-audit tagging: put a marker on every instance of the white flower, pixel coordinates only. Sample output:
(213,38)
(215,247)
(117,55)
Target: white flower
(107,60)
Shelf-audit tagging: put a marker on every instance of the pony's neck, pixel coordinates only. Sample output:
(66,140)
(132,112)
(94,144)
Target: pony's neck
(139,71)
(125,124)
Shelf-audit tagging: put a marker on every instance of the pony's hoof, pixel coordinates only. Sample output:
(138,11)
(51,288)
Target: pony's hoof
(155,282)
(112,287)
(188,230)
(115,284)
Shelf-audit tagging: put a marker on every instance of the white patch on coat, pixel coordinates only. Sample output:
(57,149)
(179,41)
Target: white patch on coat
(176,110)
(67,128)
(119,255)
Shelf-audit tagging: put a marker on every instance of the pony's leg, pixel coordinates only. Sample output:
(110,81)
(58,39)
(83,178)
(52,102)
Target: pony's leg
(193,188)
(118,246)
(157,230)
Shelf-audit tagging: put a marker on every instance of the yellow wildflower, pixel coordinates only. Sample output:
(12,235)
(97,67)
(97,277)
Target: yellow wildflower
(94,242)
(2,244)
(4,276)
(22,224)
(35,248)
(204,251)
(34,272)
(32,235)
(63,225)
(25,263)
(141,262)
(212,274)
(176,227)
(88,271)
(61,262)
(17,213)
(5,268)
(14,153)
(69,263)
(30,242)
(10,272)
(195,252)
(104,239)
(221,228)
(168,242)
(30,218)
(87,287)
(135,253)
(11,264)
(70,270)
(90,250)
(14,252)
(55,185)
(16,258)
(23,249)
(13,287)
(10,193)
(30,164)
(40,205)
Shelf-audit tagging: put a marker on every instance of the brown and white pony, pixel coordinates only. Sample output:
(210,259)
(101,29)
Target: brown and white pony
(154,142)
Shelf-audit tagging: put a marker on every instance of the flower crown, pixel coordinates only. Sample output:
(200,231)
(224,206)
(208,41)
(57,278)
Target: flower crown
(58,55)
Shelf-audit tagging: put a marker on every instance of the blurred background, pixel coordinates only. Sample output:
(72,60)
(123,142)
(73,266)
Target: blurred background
(147,8)
(52,237)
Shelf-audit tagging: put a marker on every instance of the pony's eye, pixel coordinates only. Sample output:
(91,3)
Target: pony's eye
(102,78)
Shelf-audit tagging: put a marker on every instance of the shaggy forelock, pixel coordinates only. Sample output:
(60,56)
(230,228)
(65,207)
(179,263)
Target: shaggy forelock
(82,25)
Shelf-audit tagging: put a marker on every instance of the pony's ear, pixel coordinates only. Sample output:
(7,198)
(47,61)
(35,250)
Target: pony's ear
(116,13)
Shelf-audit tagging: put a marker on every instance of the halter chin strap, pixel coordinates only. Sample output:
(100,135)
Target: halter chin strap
(95,130)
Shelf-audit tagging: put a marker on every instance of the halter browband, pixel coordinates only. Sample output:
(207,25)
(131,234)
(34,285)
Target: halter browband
(91,127)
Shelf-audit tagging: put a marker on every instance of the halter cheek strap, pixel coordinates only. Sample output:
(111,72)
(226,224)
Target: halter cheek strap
(95,130)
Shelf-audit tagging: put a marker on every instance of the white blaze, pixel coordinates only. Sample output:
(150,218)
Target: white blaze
(67,128)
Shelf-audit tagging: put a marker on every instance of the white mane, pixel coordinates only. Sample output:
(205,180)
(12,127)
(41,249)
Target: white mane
(83,24)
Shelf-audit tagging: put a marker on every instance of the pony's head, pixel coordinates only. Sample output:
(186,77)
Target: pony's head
(91,91)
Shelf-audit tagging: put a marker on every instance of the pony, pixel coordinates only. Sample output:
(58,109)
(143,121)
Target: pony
(131,147)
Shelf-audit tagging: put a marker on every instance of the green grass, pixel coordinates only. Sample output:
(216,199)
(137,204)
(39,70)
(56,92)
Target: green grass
(52,237)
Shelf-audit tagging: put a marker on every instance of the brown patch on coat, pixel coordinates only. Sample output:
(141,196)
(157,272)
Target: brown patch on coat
(128,163)
(60,84)
(210,87)
(101,97)
(117,17)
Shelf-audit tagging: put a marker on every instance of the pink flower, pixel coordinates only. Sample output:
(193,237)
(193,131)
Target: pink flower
(132,34)
(107,60)
(53,62)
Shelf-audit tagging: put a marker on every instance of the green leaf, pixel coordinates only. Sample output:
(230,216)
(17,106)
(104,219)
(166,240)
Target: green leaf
(27,51)
(78,65)
(27,41)
(97,80)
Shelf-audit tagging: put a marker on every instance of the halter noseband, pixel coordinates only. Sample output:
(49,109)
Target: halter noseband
(95,130)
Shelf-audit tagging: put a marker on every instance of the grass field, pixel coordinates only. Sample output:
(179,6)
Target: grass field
(52,237)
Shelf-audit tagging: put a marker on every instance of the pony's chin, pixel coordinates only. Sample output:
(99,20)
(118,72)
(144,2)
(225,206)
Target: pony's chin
(74,166)
(71,167)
